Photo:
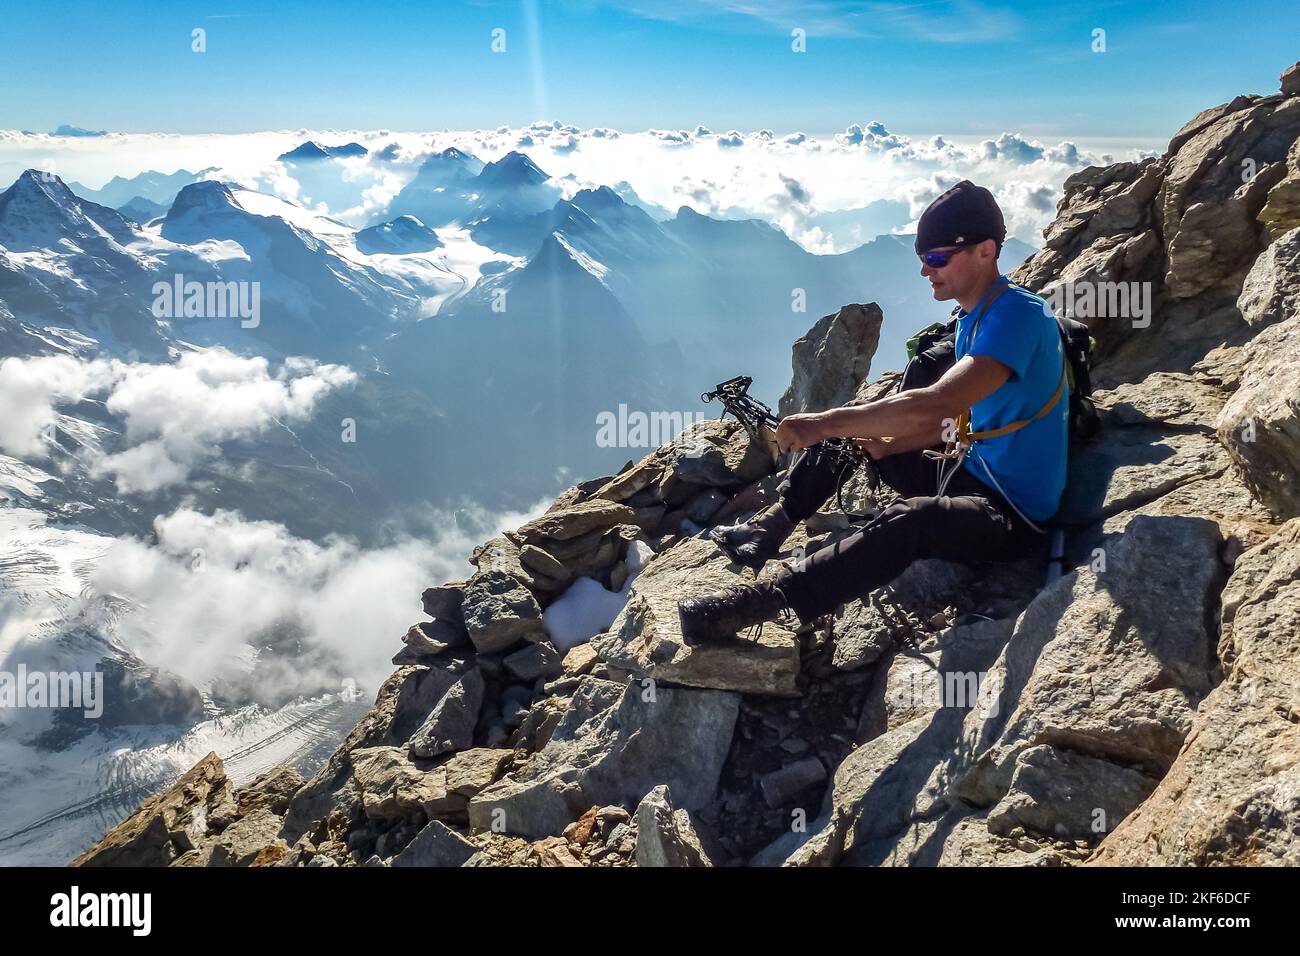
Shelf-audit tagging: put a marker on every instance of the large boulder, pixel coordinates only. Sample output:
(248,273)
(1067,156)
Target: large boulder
(500,612)
(435,845)
(646,637)
(714,453)
(665,836)
(450,725)
(1111,661)
(1232,796)
(393,788)
(832,360)
(572,522)
(613,745)
(898,778)
(1185,223)
(1281,212)
(1260,425)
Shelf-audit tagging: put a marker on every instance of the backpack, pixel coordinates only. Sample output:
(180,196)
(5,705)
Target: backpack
(932,351)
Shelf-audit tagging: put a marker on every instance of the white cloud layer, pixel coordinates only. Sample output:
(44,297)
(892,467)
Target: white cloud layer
(211,586)
(730,173)
(175,416)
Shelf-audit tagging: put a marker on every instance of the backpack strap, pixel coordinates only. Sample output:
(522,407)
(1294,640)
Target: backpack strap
(964,434)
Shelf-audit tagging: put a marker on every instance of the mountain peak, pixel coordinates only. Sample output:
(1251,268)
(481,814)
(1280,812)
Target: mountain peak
(39,209)
(206,196)
(513,169)
(311,151)
(602,197)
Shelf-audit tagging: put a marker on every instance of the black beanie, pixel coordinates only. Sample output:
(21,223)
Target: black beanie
(963,216)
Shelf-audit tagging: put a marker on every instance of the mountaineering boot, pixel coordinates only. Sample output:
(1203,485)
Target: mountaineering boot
(751,543)
(717,616)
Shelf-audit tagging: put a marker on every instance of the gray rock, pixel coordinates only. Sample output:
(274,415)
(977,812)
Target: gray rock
(1291,80)
(428,640)
(1230,798)
(1162,398)
(1134,466)
(500,612)
(443,602)
(240,842)
(450,725)
(1281,212)
(609,749)
(534,661)
(705,505)
(1109,663)
(716,453)
(436,845)
(780,787)
(664,836)
(572,522)
(832,360)
(541,560)
(1260,425)
(148,836)
(393,788)
(1068,796)
(646,636)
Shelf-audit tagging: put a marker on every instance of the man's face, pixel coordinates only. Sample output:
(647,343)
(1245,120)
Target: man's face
(961,273)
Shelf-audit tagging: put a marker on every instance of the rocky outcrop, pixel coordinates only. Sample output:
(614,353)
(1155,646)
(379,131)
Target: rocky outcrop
(832,360)
(1260,424)
(202,820)
(615,743)
(1232,796)
(1138,709)
(1184,227)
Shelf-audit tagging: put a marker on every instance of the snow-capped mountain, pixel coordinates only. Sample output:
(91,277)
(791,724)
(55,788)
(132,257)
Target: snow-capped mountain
(310,152)
(505,204)
(68,270)
(438,194)
(404,234)
(152,186)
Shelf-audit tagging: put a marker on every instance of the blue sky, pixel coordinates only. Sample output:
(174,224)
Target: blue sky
(960,68)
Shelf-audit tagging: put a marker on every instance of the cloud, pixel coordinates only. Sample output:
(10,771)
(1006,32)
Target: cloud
(174,416)
(729,173)
(874,137)
(207,594)
(29,391)
(1012,147)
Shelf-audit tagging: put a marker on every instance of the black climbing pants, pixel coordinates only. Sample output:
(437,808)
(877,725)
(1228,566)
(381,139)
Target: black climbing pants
(970,522)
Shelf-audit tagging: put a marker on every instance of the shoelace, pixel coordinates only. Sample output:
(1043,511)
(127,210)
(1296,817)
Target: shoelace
(786,616)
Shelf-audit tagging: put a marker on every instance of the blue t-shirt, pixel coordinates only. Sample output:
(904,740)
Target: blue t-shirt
(1020,331)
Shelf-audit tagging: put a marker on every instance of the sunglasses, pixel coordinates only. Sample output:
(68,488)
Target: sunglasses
(938,258)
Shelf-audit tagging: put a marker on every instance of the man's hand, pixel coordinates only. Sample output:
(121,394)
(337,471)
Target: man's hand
(796,432)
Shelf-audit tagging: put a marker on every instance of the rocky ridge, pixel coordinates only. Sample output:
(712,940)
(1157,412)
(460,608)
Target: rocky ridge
(1144,708)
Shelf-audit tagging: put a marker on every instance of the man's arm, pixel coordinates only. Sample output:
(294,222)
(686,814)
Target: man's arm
(912,415)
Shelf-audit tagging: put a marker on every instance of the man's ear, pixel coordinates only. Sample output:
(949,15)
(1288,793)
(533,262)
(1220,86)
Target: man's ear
(988,250)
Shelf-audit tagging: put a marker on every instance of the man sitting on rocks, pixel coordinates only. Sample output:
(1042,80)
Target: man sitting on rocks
(1008,376)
